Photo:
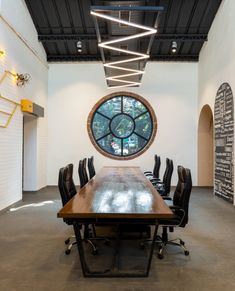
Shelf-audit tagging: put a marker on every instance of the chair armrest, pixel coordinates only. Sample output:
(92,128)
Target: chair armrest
(177,208)
(166,198)
(173,207)
(149,176)
(155,183)
(155,180)
(148,172)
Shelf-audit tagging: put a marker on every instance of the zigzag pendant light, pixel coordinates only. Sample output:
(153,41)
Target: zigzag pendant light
(122,79)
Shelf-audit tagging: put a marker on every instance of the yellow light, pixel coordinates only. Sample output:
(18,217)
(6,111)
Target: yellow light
(14,75)
(2,53)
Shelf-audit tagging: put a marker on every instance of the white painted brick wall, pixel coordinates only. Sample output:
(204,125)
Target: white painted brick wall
(20,59)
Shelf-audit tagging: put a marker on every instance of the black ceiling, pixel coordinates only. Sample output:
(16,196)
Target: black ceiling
(61,23)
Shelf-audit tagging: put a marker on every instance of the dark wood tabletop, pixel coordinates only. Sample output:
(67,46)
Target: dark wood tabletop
(117,192)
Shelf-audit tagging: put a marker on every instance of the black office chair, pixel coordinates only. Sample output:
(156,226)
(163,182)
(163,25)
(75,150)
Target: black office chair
(91,167)
(66,195)
(87,232)
(178,188)
(164,186)
(180,209)
(156,168)
(82,173)
(84,166)
(67,191)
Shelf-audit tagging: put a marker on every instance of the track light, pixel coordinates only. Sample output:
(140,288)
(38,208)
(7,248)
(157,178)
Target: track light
(173,47)
(79,46)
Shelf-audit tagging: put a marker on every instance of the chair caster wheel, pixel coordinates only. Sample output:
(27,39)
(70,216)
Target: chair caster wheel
(186,253)
(67,252)
(182,242)
(67,241)
(94,252)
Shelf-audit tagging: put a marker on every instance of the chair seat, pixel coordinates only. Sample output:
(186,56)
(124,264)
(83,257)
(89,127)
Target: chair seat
(173,221)
(135,230)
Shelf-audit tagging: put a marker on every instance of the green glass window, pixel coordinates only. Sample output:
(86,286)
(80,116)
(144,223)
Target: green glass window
(122,125)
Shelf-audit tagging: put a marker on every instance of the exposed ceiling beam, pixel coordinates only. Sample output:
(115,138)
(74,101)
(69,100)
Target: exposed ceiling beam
(168,37)
(70,58)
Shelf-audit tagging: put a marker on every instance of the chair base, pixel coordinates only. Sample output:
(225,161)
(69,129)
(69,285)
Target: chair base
(87,239)
(163,245)
(163,242)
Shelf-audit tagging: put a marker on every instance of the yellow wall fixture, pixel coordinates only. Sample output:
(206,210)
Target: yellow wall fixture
(26,106)
(21,79)
(32,108)
(2,53)
(9,114)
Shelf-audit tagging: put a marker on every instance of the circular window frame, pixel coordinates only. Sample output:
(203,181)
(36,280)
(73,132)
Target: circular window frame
(119,94)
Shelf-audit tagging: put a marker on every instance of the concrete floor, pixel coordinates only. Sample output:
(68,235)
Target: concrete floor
(32,250)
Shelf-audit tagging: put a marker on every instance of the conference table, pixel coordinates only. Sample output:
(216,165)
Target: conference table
(116,196)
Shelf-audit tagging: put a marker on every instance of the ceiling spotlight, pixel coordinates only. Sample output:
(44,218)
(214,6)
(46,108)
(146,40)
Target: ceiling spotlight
(173,47)
(79,46)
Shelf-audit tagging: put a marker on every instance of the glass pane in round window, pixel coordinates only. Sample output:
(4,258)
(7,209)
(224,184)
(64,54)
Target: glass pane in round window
(100,126)
(121,125)
(111,107)
(144,125)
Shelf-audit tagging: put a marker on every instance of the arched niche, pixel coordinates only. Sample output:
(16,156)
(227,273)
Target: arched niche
(224,140)
(205,147)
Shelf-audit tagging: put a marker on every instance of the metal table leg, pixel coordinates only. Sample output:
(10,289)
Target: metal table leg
(108,273)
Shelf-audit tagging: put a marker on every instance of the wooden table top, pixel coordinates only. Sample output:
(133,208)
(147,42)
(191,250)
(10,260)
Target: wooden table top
(117,192)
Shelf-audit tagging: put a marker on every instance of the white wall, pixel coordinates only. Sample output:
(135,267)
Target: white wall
(217,57)
(171,88)
(18,35)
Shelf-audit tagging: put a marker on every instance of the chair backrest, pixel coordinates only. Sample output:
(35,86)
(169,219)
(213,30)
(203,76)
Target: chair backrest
(63,193)
(167,176)
(157,164)
(180,184)
(84,170)
(182,198)
(69,183)
(65,183)
(166,170)
(187,194)
(82,173)
(91,167)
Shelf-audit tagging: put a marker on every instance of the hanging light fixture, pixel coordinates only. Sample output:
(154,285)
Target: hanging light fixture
(124,65)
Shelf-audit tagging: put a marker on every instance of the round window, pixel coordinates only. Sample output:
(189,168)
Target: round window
(122,125)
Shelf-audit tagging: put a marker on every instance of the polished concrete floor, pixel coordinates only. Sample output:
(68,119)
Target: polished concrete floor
(32,250)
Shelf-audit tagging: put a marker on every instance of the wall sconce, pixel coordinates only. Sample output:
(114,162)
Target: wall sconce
(21,79)
(79,46)
(2,53)
(173,47)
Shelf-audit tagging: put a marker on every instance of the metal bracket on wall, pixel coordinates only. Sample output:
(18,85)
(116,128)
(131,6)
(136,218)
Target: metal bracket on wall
(3,76)
(9,114)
